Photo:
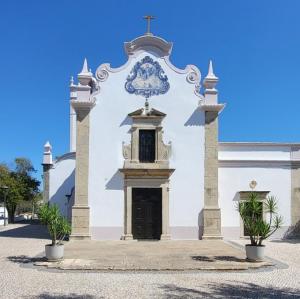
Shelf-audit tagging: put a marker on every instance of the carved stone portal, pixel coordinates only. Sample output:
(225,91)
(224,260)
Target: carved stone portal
(152,174)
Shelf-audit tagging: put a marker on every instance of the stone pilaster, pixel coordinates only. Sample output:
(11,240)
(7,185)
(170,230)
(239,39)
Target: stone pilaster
(82,103)
(165,213)
(135,145)
(80,209)
(47,164)
(127,213)
(46,182)
(295,201)
(211,211)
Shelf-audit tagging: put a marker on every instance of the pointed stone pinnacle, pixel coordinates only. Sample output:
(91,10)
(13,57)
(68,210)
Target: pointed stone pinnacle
(71,81)
(85,67)
(210,70)
(210,76)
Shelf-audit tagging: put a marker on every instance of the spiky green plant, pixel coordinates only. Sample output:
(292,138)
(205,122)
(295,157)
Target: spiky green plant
(57,225)
(251,214)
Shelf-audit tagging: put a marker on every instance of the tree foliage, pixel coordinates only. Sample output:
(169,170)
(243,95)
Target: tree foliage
(22,186)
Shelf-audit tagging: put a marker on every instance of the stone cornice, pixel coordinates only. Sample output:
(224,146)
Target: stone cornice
(159,45)
(259,143)
(70,155)
(82,105)
(212,107)
(259,163)
(149,173)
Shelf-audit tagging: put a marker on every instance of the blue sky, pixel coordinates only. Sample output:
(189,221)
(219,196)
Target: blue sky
(254,45)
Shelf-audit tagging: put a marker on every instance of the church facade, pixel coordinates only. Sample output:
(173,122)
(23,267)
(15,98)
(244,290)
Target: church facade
(145,161)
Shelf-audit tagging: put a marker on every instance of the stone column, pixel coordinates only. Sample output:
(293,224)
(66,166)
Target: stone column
(295,196)
(80,209)
(165,213)
(211,211)
(127,213)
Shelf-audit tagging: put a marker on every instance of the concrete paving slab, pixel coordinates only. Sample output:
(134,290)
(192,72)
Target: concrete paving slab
(181,255)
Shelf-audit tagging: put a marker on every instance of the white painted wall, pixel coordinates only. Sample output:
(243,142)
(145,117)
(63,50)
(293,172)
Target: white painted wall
(273,177)
(62,180)
(2,213)
(109,126)
(263,152)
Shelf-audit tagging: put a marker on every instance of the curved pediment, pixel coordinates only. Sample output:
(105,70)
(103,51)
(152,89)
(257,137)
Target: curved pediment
(147,74)
(155,43)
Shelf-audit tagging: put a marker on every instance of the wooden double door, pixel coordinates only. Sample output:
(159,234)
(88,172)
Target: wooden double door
(146,213)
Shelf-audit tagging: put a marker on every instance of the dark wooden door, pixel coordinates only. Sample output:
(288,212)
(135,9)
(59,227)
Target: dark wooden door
(146,213)
(147,146)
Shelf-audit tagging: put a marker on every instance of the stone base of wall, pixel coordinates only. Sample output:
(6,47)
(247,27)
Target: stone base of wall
(177,233)
(211,224)
(80,223)
(117,233)
(234,233)
(74,237)
(107,232)
(184,232)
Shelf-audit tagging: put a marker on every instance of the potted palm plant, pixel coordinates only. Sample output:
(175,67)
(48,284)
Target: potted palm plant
(58,227)
(257,227)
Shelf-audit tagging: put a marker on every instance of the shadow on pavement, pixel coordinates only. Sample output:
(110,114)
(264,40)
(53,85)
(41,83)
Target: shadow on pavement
(226,290)
(33,231)
(290,241)
(225,258)
(61,296)
(24,259)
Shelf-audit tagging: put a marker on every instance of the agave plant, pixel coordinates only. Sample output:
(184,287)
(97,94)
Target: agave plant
(251,214)
(57,225)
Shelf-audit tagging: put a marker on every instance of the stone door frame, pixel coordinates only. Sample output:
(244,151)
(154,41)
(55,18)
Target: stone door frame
(130,183)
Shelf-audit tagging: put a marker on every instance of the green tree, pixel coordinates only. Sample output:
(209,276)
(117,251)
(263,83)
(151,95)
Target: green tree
(21,185)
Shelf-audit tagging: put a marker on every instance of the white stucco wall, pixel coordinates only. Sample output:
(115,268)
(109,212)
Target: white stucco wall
(109,126)
(254,151)
(236,176)
(62,180)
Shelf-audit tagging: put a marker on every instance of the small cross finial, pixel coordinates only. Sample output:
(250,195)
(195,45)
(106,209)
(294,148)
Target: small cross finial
(149,19)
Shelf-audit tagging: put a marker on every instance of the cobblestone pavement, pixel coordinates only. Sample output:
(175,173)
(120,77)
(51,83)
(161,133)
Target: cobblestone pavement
(19,279)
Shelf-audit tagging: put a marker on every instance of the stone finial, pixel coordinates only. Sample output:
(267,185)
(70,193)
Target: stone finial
(211,80)
(72,81)
(73,89)
(209,83)
(85,76)
(47,156)
(85,66)
(210,70)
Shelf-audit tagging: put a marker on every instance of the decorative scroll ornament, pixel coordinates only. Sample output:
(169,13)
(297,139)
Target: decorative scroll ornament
(147,78)
(192,77)
(102,74)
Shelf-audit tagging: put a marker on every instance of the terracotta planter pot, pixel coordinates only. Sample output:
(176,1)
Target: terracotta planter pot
(255,253)
(54,252)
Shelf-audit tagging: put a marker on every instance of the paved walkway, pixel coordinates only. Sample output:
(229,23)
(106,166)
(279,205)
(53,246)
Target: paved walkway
(153,255)
(20,279)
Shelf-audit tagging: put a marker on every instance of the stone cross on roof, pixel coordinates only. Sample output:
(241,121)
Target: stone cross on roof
(149,19)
